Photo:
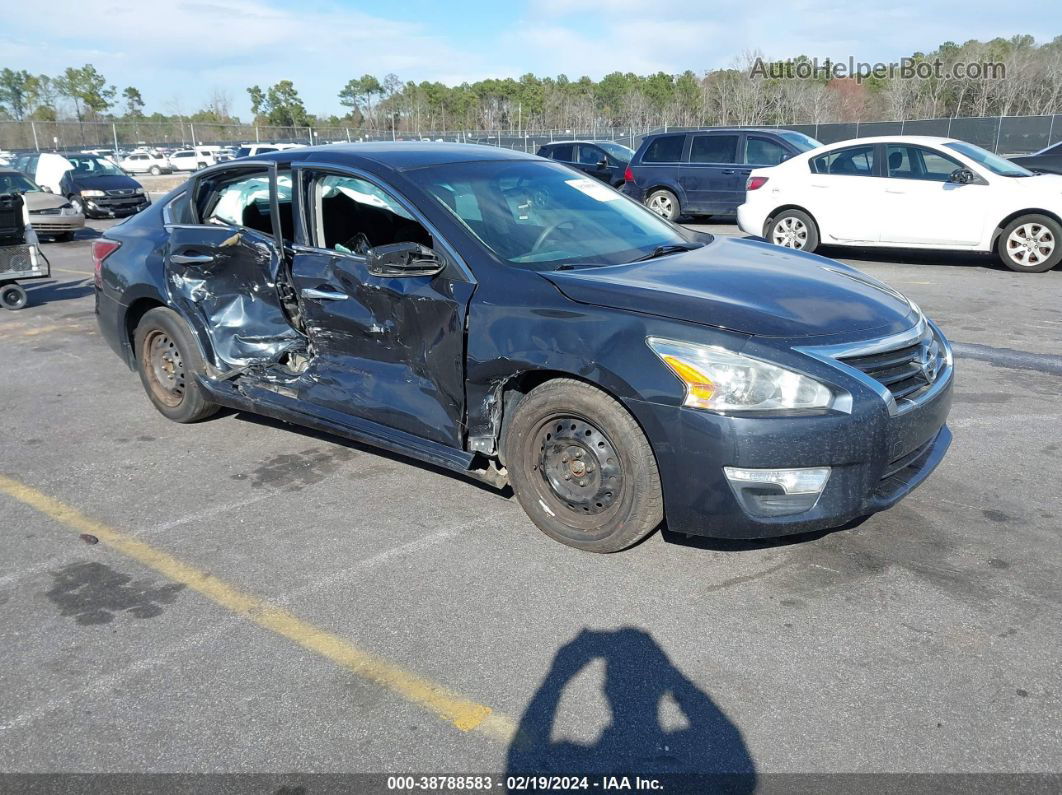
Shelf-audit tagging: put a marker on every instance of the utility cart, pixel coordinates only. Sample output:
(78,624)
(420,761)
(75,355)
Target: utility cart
(20,258)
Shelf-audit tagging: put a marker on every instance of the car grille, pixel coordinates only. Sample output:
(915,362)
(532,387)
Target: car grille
(905,371)
(49,211)
(121,192)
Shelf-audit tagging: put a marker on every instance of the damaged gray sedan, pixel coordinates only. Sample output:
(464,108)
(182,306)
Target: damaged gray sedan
(502,316)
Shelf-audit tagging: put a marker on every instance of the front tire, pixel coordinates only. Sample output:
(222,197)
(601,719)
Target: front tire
(581,467)
(664,203)
(1030,244)
(793,229)
(168,359)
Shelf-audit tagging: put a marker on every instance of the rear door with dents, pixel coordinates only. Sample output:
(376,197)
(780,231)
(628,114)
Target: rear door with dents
(222,268)
(385,349)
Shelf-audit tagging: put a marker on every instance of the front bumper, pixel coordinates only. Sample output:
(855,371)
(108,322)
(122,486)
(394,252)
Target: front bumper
(876,458)
(56,224)
(114,207)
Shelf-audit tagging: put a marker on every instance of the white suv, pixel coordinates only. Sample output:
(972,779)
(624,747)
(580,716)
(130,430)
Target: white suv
(192,159)
(908,192)
(145,163)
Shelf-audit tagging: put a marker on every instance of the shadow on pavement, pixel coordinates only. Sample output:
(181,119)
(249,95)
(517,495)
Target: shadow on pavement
(50,291)
(644,690)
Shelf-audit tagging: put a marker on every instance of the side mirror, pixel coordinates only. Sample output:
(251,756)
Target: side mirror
(962,176)
(46,189)
(403,259)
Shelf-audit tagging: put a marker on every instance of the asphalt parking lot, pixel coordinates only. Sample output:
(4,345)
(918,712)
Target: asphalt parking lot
(269,599)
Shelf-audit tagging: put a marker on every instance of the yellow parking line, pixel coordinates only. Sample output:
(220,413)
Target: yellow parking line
(465,714)
(83,274)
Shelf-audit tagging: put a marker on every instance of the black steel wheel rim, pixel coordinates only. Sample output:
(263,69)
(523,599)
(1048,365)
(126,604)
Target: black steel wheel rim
(579,466)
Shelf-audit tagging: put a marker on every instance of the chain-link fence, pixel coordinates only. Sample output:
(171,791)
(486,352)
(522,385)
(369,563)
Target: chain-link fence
(1007,135)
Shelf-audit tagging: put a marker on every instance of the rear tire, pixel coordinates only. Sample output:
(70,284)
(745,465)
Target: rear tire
(168,360)
(155,171)
(581,467)
(1030,244)
(664,203)
(13,296)
(793,229)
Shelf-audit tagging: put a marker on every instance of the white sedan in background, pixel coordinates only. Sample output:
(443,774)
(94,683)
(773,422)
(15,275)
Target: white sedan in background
(908,192)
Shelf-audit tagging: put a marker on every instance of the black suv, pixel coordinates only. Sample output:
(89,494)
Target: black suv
(703,172)
(605,160)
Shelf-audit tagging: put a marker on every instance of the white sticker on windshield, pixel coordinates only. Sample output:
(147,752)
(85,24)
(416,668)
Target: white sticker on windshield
(593,189)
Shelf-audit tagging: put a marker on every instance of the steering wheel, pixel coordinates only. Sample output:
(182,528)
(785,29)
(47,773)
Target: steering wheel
(549,230)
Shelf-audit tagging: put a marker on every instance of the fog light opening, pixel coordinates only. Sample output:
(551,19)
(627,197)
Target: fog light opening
(777,492)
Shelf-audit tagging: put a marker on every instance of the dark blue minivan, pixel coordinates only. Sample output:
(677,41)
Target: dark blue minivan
(703,172)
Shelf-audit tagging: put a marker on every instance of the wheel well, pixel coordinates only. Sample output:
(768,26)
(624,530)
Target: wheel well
(513,390)
(668,188)
(771,216)
(1030,211)
(133,314)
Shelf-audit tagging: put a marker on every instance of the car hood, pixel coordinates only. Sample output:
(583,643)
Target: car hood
(745,286)
(103,182)
(40,200)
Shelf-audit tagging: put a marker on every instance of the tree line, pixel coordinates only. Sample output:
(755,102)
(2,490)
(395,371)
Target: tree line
(1030,83)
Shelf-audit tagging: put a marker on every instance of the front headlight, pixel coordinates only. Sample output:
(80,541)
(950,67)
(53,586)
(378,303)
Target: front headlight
(138,192)
(720,380)
(92,193)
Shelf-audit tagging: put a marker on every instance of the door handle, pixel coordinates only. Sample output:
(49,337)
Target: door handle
(191,259)
(729,171)
(323,295)
(898,192)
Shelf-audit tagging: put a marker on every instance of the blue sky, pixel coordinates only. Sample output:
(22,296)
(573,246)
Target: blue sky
(178,53)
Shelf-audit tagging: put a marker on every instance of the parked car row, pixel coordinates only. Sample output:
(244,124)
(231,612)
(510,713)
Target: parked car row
(94,186)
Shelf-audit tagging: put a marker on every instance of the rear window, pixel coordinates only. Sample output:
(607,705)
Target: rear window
(665,149)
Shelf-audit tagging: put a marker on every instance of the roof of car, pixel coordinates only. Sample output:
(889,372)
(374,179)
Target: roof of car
(400,155)
(884,139)
(581,141)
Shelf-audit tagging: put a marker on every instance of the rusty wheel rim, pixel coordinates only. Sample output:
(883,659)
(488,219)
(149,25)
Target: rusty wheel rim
(164,367)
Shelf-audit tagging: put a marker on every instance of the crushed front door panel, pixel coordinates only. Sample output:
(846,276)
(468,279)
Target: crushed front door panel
(390,350)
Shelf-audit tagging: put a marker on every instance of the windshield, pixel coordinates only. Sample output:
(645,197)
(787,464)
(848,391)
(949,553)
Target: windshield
(803,143)
(994,163)
(540,215)
(243,151)
(618,151)
(9,183)
(92,166)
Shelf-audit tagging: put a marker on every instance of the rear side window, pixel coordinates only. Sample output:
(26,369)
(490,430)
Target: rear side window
(665,149)
(563,152)
(590,155)
(242,199)
(714,149)
(856,161)
(763,152)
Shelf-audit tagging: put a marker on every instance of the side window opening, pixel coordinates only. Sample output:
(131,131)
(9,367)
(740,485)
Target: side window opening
(354,215)
(243,200)
(857,161)
(665,149)
(590,155)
